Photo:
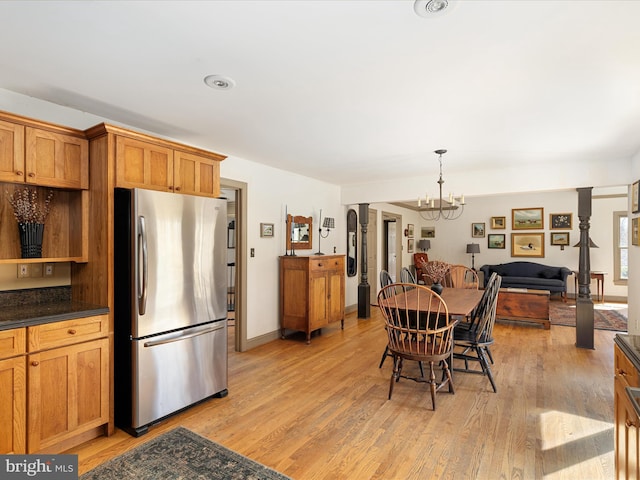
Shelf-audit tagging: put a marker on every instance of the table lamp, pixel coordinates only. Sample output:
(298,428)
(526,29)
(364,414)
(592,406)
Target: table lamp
(473,248)
(424,245)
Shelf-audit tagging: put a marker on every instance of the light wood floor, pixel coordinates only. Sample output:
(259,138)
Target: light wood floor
(320,411)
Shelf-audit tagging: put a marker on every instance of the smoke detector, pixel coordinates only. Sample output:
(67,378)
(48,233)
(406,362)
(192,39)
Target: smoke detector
(433,8)
(219,82)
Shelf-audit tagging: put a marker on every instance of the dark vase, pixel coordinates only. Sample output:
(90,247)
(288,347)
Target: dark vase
(437,287)
(31,239)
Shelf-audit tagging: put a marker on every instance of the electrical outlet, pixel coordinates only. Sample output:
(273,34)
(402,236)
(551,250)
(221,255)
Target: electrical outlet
(23,270)
(36,270)
(48,269)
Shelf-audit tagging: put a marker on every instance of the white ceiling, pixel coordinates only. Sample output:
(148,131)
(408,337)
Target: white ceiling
(344,91)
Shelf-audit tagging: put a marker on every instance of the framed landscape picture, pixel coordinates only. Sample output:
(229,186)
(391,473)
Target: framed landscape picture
(499,223)
(560,238)
(410,230)
(527,245)
(635,197)
(562,221)
(496,240)
(634,232)
(477,230)
(266,229)
(410,244)
(527,218)
(428,232)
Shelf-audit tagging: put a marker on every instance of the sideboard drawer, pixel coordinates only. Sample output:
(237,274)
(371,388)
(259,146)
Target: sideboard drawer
(625,369)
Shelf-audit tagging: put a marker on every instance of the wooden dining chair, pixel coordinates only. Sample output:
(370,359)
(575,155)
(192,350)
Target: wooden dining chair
(406,276)
(419,330)
(460,276)
(472,341)
(385,279)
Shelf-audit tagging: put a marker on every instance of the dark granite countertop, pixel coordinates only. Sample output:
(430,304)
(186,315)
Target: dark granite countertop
(36,314)
(630,345)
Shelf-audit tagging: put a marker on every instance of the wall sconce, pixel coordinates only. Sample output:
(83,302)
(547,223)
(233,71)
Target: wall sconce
(473,248)
(328,223)
(424,245)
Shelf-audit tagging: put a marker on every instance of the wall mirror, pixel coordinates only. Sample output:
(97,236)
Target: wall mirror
(299,232)
(352,245)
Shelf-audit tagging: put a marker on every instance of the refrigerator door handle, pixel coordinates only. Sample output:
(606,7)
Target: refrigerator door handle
(183,337)
(142,246)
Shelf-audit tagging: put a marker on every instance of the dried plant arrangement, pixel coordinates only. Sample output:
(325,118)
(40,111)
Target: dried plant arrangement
(436,270)
(27,208)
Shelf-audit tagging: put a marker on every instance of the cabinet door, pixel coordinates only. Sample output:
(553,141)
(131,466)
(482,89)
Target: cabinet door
(11,152)
(319,305)
(143,165)
(196,175)
(335,297)
(13,403)
(627,432)
(68,392)
(56,160)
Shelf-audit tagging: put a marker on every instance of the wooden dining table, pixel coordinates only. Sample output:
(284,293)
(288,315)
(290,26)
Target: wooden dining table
(460,301)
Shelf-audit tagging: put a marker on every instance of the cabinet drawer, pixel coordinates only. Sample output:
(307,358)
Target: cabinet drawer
(624,369)
(326,264)
(12,342)
(58,334)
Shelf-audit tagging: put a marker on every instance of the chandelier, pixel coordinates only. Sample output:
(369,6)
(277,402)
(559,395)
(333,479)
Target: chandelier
(441,208)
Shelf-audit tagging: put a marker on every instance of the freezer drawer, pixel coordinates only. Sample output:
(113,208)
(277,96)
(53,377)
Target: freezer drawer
(175,370)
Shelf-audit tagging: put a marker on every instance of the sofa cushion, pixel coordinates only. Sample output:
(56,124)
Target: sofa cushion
(548,273)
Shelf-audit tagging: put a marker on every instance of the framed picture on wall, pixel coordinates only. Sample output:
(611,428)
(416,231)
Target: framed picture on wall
(563,221)
(428,232)
(410,243)
(477,230)
(527,218)
(635,197)
(527,245)
(496,240)
(266,229)
(635,238)
(499,223)
(410,230)
(560,238)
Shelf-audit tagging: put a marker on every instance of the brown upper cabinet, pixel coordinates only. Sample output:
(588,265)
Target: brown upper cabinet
(42,157)
(142,164)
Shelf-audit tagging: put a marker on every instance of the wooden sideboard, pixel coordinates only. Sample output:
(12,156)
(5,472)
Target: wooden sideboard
(311,292)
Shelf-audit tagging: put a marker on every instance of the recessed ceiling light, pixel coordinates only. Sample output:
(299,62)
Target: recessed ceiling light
(433,8)
(220,82)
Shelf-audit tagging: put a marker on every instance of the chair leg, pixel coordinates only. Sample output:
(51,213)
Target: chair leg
(384,356)
(490,356)
(447,372)
(432,384)
(486,368)
(395,375)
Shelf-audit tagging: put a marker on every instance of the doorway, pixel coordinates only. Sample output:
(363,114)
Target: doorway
(392,249)
(236,194)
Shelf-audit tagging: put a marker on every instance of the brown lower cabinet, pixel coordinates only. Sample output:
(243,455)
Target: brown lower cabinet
(311,292)
(55,393)
(627,423)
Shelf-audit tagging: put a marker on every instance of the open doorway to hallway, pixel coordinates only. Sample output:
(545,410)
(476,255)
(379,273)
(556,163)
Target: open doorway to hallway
(236,195)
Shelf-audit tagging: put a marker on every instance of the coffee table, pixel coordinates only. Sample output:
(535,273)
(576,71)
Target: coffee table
(524,305)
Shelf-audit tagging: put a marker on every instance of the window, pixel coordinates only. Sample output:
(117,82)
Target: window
(621,247)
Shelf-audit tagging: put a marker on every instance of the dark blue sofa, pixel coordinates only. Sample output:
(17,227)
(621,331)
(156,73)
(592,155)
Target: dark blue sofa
(530,275)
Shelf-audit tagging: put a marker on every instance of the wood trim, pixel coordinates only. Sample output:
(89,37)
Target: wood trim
(104,128)
(31,122)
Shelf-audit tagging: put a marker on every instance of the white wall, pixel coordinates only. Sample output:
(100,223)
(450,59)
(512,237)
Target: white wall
(452,237)
(634,263)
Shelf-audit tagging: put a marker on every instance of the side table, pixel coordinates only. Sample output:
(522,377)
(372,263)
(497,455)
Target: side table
(599,278)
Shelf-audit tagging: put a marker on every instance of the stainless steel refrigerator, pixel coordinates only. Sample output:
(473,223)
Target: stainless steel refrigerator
(170,304)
